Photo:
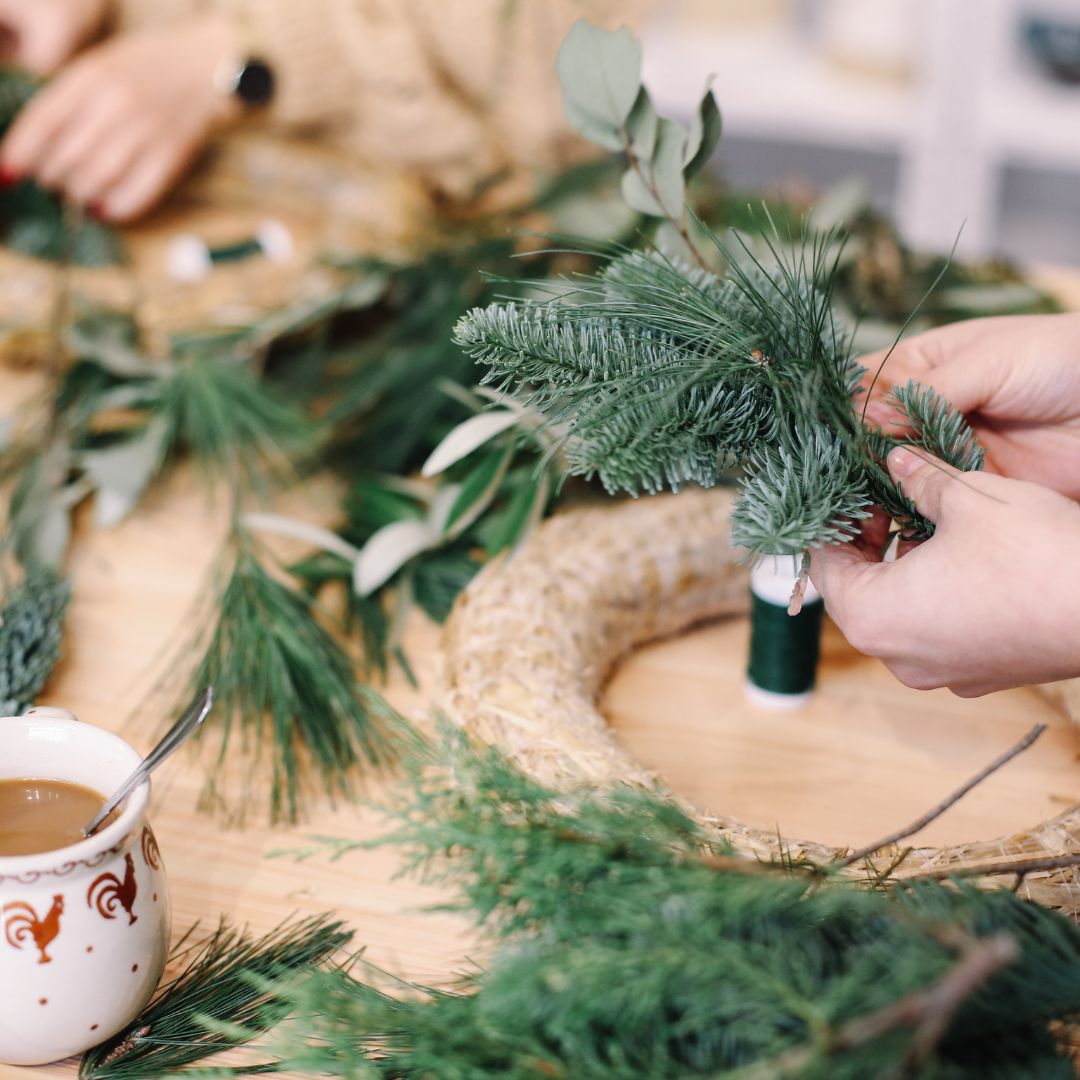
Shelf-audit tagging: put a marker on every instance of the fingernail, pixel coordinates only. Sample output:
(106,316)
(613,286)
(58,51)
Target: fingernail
(9,177)
(902,463)
(97,209)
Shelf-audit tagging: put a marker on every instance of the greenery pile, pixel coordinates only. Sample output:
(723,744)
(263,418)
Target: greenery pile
(626,942)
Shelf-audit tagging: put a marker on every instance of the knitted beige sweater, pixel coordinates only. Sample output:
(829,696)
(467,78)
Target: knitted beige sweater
(453,89)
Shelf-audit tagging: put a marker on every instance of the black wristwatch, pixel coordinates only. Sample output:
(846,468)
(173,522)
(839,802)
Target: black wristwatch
(251,82)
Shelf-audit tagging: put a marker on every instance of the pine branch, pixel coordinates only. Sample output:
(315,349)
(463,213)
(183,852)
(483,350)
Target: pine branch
(289,687)
(220,998)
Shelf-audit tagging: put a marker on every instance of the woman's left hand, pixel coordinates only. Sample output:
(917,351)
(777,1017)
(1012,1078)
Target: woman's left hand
(116,129)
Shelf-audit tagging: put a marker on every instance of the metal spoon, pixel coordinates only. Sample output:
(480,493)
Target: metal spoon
(193,716)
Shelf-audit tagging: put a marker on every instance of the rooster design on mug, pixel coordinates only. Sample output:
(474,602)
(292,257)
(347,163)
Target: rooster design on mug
(107,892)
(21,924)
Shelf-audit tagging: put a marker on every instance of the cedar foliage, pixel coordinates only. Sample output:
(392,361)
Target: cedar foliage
(629,944)
(31,626)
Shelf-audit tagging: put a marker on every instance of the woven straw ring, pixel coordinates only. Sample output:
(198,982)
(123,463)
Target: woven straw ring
(531,641)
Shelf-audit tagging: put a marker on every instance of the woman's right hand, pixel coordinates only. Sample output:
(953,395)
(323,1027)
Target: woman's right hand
(1017,380)
(42,35)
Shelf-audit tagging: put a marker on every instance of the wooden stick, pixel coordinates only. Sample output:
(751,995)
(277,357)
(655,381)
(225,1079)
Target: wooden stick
(928,1012)
(955,797)
(1020,867)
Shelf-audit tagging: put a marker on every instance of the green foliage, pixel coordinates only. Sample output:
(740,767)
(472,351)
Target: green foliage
(628,944)
(661,375)
(221,984)
(31,627)
(289,687)
(232,422)
(604,101)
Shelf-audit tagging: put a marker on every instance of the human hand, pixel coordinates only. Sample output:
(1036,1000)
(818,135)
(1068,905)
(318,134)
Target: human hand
(1016,379)
(990,601)
(118,127)
(40,35)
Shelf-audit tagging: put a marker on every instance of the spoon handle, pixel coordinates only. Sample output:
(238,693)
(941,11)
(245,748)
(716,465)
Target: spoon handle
(193,716)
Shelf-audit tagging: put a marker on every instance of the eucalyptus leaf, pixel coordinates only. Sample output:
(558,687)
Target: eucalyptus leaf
(468,436)
(600,73)
(598,131)
(641,126)
(478,490)
(388,551)
(121,473)
(657,187)
(704,134)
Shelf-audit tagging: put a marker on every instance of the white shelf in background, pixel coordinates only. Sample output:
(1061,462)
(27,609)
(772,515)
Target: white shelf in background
(771,86)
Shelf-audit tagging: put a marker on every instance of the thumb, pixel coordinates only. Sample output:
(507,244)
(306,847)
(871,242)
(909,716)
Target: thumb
(927,481)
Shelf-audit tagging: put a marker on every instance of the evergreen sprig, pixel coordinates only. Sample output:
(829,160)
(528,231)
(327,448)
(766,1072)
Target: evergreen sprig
(31,627)
(289,687)
(629,945)
(662,374)
(221,986)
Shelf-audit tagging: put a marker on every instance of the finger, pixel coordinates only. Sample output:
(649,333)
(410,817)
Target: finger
(88,133)
(147,181)
(873,535)
(106,164)
(38,124)
(840,572)
(929,483)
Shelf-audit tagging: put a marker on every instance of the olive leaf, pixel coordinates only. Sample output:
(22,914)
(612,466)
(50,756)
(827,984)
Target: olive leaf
(121,473)
(468,436)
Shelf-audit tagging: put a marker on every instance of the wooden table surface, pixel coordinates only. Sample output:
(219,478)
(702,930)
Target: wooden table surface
(868,755)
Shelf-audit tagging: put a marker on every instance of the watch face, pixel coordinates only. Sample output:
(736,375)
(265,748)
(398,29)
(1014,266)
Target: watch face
(255,83)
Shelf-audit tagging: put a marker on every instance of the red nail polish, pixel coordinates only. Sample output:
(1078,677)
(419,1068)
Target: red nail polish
(97,209)
(9,177)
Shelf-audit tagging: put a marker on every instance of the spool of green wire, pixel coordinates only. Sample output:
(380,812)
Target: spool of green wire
(784,649)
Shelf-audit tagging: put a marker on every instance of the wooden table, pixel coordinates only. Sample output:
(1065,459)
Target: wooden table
(867,756)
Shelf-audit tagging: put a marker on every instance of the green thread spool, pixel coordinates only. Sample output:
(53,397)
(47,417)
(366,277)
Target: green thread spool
(190,259)
(784,649)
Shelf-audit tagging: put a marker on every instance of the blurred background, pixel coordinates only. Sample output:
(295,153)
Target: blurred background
(948,113)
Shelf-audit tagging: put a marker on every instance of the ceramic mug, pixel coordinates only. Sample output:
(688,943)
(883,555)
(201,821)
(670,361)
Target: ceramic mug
(84,930)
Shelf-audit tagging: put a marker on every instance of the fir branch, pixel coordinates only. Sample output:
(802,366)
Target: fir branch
(798,498)
(218,999)
(289,687)
(937,427)
(31,626)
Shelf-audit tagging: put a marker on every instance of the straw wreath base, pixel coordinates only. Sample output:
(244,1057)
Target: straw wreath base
(532,640)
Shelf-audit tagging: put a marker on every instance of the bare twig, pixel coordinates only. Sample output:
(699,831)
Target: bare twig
(928,1012)
(650,184)
(955,797)
(1020,867)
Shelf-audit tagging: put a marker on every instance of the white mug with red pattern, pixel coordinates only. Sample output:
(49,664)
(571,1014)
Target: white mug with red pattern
(84,930)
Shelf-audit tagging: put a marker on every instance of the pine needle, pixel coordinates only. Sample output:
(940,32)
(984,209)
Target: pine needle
(233,423)
(287,697)
(219,998)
